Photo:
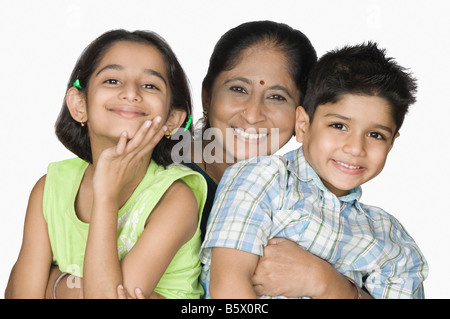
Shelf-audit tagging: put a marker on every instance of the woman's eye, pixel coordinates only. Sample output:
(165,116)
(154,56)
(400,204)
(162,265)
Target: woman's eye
(238,89)
(277,97)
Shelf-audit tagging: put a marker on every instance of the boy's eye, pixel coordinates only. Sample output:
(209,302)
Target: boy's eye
(338,126)
(238,89)
(376,135)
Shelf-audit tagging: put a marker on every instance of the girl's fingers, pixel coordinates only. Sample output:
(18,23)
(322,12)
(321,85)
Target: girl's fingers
(121,145)
(139,136)
(152,140)
(139,294)
(122,293)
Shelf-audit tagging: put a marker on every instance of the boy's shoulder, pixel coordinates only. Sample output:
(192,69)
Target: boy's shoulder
(382,219)
(263,166)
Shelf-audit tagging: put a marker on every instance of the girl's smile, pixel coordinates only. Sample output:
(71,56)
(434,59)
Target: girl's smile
(128,112)
(128,87)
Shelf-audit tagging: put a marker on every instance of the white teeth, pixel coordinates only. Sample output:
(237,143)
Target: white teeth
(348,166)
(250,136)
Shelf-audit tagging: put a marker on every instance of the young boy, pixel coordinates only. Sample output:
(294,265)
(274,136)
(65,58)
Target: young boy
(353,110)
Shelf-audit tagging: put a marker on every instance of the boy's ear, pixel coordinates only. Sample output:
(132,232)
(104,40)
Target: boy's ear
(393,140)
(176,118)
(301,123)
(76,103)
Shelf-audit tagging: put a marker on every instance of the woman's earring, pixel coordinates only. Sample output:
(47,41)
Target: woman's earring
(205,115)
(168,134)
(83,123)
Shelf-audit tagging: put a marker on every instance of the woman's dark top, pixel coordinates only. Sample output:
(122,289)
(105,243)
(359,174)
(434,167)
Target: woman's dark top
(212,187)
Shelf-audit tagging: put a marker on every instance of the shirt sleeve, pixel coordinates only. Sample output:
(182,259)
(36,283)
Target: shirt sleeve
(241,215)
(401,268)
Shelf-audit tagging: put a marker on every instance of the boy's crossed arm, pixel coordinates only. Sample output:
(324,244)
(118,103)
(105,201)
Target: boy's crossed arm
(231,273)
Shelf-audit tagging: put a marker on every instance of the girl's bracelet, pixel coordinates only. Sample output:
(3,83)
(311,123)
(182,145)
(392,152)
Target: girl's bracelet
(358,289)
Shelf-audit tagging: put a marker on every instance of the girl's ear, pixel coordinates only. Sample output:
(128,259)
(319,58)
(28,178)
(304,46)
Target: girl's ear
(301,123)
(176,118)
(76,103)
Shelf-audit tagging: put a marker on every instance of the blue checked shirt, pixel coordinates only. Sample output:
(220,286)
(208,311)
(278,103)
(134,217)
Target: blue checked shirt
(275,196)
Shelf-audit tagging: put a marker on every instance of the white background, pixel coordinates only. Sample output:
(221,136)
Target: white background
(41,40)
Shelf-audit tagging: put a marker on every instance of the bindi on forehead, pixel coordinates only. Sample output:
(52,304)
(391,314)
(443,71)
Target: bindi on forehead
(262,82)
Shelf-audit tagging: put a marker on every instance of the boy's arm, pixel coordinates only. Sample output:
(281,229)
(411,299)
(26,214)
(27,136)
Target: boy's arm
(29,275)
(231,274)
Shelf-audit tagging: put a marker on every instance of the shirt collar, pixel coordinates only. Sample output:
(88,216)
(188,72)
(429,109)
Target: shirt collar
(301,168)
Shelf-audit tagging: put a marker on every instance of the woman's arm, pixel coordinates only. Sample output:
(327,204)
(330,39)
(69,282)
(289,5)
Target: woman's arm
(287,269)
(30,274)
(231,274)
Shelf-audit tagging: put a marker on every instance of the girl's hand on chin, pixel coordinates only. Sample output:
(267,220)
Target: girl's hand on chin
(119,165)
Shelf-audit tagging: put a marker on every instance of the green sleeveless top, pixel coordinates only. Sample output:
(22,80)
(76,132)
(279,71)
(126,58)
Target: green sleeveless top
(68,234)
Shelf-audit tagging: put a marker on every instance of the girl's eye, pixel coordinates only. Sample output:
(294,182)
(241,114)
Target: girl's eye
(149,86)
(112,81)
(338,126)
(277,97)
(238,89)
(376,135)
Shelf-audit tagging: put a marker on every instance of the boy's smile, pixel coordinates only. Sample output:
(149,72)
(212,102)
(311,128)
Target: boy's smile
(347,142)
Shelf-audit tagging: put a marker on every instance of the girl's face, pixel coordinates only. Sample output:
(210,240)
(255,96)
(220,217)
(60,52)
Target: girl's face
(252,106)
(128,87)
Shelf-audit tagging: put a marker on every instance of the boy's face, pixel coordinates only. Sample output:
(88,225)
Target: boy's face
(348,141)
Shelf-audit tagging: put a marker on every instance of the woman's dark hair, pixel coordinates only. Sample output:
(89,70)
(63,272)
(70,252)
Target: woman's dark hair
(76,137)
(360,69)
(299,51)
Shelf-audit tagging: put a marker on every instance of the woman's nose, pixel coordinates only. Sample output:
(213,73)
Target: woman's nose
(254,111)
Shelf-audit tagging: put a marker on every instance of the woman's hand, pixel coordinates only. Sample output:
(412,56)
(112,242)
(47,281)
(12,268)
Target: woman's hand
(286,269)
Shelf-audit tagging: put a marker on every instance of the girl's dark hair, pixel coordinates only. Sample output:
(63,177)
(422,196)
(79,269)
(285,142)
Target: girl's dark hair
(76,137)
(360,69)
(299,51)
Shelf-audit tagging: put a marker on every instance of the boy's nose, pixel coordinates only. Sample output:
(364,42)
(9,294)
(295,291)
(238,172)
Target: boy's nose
(354,145)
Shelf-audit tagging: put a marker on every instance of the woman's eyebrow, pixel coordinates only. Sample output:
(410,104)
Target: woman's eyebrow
(118,67)
(281,88)
(273,87)
(239,78)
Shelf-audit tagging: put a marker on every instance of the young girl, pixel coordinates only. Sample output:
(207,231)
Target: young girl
(120,214)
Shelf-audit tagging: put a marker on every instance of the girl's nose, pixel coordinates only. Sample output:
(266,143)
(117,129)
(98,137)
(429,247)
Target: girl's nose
(131,93)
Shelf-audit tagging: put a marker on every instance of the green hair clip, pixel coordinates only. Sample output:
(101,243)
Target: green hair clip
(188,123)
(77,84)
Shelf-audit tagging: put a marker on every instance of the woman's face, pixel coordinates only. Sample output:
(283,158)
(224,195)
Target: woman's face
(252,106)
